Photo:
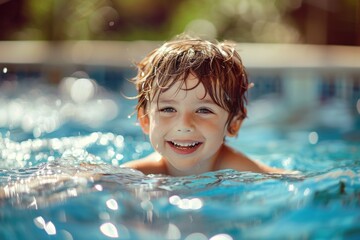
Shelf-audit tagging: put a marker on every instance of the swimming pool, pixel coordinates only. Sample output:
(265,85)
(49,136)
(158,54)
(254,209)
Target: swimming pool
(48,131)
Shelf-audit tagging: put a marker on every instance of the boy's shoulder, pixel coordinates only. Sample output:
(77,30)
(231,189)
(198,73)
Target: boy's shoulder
(151,164)
(233,159)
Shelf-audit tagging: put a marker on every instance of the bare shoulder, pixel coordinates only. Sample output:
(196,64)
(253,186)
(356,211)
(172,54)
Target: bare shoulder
(151,164)
(232,159)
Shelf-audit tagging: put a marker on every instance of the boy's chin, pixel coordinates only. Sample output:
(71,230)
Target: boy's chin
(185,168)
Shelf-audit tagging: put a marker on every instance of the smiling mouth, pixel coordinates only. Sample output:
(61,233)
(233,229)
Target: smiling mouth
(184,148)
(184,145)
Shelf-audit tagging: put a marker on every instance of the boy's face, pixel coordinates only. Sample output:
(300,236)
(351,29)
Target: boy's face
(185,127)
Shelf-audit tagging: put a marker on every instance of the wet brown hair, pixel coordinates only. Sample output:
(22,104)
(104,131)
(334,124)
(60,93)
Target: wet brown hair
(216,65)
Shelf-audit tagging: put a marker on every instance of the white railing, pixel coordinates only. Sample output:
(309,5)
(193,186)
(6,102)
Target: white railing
(122,54)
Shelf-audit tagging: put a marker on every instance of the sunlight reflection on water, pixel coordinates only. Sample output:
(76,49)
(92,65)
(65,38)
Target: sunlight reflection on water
(60,176)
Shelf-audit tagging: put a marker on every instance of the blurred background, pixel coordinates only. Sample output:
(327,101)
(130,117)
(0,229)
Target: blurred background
(272,21)
(301,54)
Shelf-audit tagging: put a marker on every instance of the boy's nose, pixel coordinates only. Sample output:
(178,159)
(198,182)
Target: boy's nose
(185,123)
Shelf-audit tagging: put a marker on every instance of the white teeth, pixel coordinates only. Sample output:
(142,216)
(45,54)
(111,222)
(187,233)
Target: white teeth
(185,144)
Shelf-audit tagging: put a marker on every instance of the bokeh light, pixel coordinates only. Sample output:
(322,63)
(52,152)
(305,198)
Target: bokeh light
(109,230)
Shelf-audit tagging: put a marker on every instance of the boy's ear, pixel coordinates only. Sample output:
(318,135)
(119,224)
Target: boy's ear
(234,126)
(144,120)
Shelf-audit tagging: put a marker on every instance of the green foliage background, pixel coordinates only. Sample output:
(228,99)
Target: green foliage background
(271,21)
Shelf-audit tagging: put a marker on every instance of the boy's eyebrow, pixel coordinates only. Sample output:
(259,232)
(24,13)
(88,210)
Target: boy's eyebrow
(207,101)
(166,101)
(201,100)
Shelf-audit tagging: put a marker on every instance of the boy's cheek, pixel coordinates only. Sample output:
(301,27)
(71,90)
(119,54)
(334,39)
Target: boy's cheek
(157,119)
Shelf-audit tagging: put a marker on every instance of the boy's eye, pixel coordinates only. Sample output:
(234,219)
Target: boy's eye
(167,109)
(204,110)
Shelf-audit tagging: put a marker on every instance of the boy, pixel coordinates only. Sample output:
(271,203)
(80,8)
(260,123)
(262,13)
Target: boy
(191,95)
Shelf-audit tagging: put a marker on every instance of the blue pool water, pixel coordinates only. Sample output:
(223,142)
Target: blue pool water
(47,192)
